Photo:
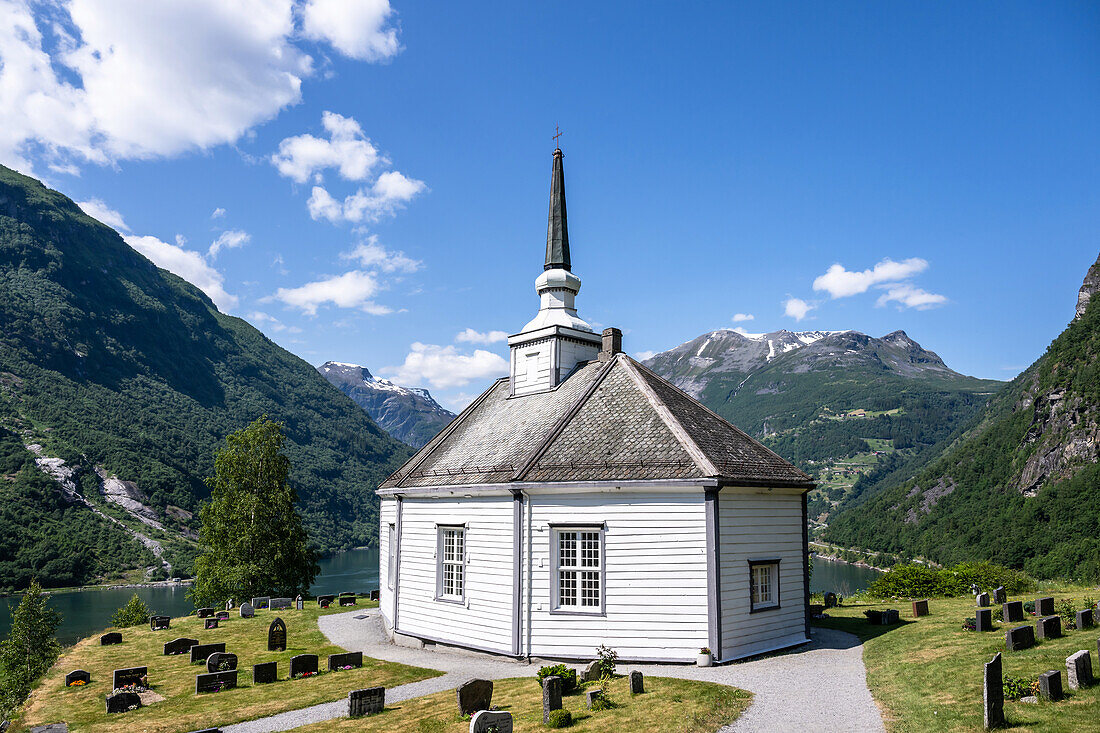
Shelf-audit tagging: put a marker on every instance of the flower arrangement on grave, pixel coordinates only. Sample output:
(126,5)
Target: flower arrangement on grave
(346,666)
(300,675)
(969,624)
(77,683)
(1029,607)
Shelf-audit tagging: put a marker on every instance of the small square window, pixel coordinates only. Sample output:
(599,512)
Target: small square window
(763,584)
(578,569)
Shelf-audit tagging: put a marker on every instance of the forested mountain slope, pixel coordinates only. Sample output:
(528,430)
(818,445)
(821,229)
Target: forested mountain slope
(113,364)
(1022,486)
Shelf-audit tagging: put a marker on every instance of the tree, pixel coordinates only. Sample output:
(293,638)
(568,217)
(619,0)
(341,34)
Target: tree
(134,613)
(252,538)
(30,648)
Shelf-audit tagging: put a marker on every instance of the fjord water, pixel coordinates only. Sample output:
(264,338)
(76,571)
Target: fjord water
(841,578)
(88,611)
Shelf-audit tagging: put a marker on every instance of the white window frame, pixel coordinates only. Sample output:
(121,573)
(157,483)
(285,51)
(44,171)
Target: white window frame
(391,569)
(575,565)
(457,566)
(763,585)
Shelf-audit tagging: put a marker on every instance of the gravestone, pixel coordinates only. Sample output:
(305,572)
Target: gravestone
(983,621)
(993,693)
(1013,612)
(222,615)
(159,623)
(247,610)
(179,646)
(200,652)
(128,676)
(280,604)
(299,603)
(375,594)
(551,697)
(1048,627)
(830,599)
(891,616)
(221,662)
(920,608)
(1078,670)
(276,636)
(261,602)
(345,659)
(121,702)
(1044,607)
(215,681)
(112,638)
(484,721)
(1019,637)
(999,595)
(983,599)
(229,605)
(1050,685)
(205,612)
(303,664)
(591,671)
(265,672)
(590,697)
(210,623)
(326,601)
(1085,619)
(77,675)
(369,701)
(636,687)
(475,694)
(347,599)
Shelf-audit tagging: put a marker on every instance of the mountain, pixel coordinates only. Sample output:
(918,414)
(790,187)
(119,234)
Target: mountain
(1021,486)
(407,413)
(841,404)
(129,378)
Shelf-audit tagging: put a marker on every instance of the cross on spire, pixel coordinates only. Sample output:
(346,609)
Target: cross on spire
(557,134)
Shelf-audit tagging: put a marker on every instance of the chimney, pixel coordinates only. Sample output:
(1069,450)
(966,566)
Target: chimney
(612,343)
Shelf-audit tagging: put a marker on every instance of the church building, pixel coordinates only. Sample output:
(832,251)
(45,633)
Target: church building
(584,500)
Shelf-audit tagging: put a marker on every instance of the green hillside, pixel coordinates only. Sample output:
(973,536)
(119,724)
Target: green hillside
(1021,487)
(110,362)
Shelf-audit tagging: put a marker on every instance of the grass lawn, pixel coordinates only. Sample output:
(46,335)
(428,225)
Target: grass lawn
(667,705)
(926,674)
(173,677)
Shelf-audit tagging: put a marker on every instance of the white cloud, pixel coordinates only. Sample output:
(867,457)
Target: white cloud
(471,336)
(371,254)
(218,213)
(444,367)
(323,206)
(390,192)
(643,355)
(353,289)
(908,296)
(740,317)
(189,265)
(100,211)
(357,28)
(229,239)
(745,332)
(304,156)
(456,402)
(841,283)
(106,80)
(797,308)
(260,320)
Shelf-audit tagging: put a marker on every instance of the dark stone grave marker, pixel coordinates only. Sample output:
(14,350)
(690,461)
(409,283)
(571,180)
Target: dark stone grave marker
(1048,627)
(999,595)
(484,721)
(77,675)
(369,701)
(128,676)
(636,687)
(347,599)
(1084,619)
(983,621)
(920,608)
(345,659)
(591,672)
(179,646)
(159,623)
(1078,670)
(210,623)
(221,662)
(222,615)
(215,681)
(551,697)
(261,602)
(326,601)
(1019,637)
(1013,612)
(375,594)
(830,599)
(302,664)
(1050,685)
(121,702)
(476,694)
(280,604)
(265,672)
(205,612)
(1044,607)
(247,610)
(891,616)
(590,697)
(112,638)
(276,636)
(983,599)
(200,652)
(993,693)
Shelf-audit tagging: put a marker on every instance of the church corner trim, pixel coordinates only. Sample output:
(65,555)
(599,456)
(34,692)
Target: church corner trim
(714,572)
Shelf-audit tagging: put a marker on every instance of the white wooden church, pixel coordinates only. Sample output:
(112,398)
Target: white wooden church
(584,500)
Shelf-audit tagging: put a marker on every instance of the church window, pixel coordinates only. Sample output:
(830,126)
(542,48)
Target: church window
(764,582)
(451,566)
(391,574)
(578,567)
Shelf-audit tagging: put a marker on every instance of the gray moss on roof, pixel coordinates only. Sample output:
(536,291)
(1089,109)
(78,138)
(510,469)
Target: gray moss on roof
(608,421)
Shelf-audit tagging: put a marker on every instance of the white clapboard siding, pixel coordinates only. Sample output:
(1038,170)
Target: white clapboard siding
(485,620)
(655,576)
(533,363)
(388,516)
(754,526)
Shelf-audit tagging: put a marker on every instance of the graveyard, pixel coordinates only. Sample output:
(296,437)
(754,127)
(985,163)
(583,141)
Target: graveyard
(236,641)
(926,673)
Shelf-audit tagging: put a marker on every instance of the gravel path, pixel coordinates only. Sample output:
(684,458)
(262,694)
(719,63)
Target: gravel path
(818,687)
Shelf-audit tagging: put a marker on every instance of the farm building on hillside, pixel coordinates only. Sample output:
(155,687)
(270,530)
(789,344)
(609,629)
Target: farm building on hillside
(584,500)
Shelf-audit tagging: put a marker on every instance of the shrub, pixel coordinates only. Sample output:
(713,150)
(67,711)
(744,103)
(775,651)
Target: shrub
(1017,687)
(919,581)
(568,676)
(969,624)
(608,659)
(1068,613)
(134,613)
(560,719)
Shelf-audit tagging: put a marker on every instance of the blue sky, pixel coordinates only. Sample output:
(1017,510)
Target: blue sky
(376,177)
